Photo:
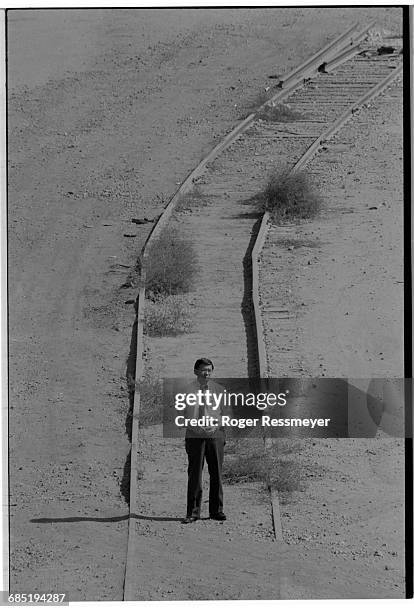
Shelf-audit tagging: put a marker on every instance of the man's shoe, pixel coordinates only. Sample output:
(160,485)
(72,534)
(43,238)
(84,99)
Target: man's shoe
(189,519)
(219,516)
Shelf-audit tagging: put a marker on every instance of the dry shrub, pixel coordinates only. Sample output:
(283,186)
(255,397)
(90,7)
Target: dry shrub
(166,316)
(291,197)
(247,460)
(172,264)
(280,113)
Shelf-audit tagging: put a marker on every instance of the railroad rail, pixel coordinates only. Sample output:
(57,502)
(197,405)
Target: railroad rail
(324,92)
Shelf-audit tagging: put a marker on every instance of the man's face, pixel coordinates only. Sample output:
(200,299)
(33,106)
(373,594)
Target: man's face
(203,373)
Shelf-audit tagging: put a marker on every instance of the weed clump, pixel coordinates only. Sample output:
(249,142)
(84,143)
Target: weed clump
(257,101)
(171,265)
(166,316)
(251,462)
(280,113)
(291,197)
(151,394)
(246,467)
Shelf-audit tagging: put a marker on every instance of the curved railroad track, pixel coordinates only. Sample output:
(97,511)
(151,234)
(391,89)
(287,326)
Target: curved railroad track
(323,93)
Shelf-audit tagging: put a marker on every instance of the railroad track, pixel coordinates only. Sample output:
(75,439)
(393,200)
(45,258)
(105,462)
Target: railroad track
(322,95)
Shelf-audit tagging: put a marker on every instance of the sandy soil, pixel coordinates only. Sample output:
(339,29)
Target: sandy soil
(99,135)
(239,559)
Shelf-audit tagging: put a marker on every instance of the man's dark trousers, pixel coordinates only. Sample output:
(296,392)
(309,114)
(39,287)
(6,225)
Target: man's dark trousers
(212,449)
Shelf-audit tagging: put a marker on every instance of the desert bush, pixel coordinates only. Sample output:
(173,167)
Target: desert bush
(291,196)
(166,316)
(171,264)
(278,113)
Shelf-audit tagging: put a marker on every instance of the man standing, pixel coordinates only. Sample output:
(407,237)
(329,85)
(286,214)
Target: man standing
(204,442)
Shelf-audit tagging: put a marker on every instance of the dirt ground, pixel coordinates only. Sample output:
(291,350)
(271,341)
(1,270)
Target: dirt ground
(102,130)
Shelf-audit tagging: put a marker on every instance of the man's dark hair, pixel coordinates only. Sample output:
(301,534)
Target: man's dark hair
(203,361)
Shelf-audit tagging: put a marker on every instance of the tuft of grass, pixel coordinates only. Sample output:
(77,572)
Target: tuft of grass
(171,265)
(291,197)
(191,200)
(280,113)
(166,316)
(150,412)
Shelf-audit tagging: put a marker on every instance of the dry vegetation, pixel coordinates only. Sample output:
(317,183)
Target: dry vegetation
(166,316)
(281,113)
(257,101)
(291,197)
(171,266)
(247,460)
(151,391)
(170,272)
(191,200)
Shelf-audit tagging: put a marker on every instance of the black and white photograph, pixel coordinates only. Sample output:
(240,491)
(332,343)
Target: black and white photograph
(208,303)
